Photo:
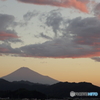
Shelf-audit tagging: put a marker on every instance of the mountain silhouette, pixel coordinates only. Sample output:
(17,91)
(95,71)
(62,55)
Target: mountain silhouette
(27,74)
(58,90)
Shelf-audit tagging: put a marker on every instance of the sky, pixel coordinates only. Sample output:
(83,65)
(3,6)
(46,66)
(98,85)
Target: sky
(56,38)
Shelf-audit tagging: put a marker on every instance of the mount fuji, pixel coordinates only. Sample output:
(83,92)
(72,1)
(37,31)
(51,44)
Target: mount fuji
(27,74)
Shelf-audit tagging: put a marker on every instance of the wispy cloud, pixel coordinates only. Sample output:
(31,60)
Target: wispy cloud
(29,15)
(45,36)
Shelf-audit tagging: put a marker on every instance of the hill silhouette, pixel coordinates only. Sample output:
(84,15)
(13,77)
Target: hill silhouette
(27,74)
(63,89)
(58,90)
(6,85)
(22,93)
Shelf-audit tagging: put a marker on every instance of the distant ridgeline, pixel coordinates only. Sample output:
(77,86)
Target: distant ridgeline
(25,89)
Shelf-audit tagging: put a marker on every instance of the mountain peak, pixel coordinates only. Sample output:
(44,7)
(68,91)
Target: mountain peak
(24,68)
(26,74)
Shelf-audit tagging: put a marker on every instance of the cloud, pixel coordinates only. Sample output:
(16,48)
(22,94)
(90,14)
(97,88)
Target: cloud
(78,4)
(6,21)
(57,48)
(3,50)
(80,39)
(86,31)
(29,15)
(6,49)
(96,59)
(96,10)
(54,20)
(45,36)
(6,34)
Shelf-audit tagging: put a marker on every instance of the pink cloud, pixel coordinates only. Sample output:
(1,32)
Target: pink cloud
(3,49)
(78,4)
(4,35)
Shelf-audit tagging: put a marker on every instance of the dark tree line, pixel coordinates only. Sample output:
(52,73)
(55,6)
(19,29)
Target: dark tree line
(22,93)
